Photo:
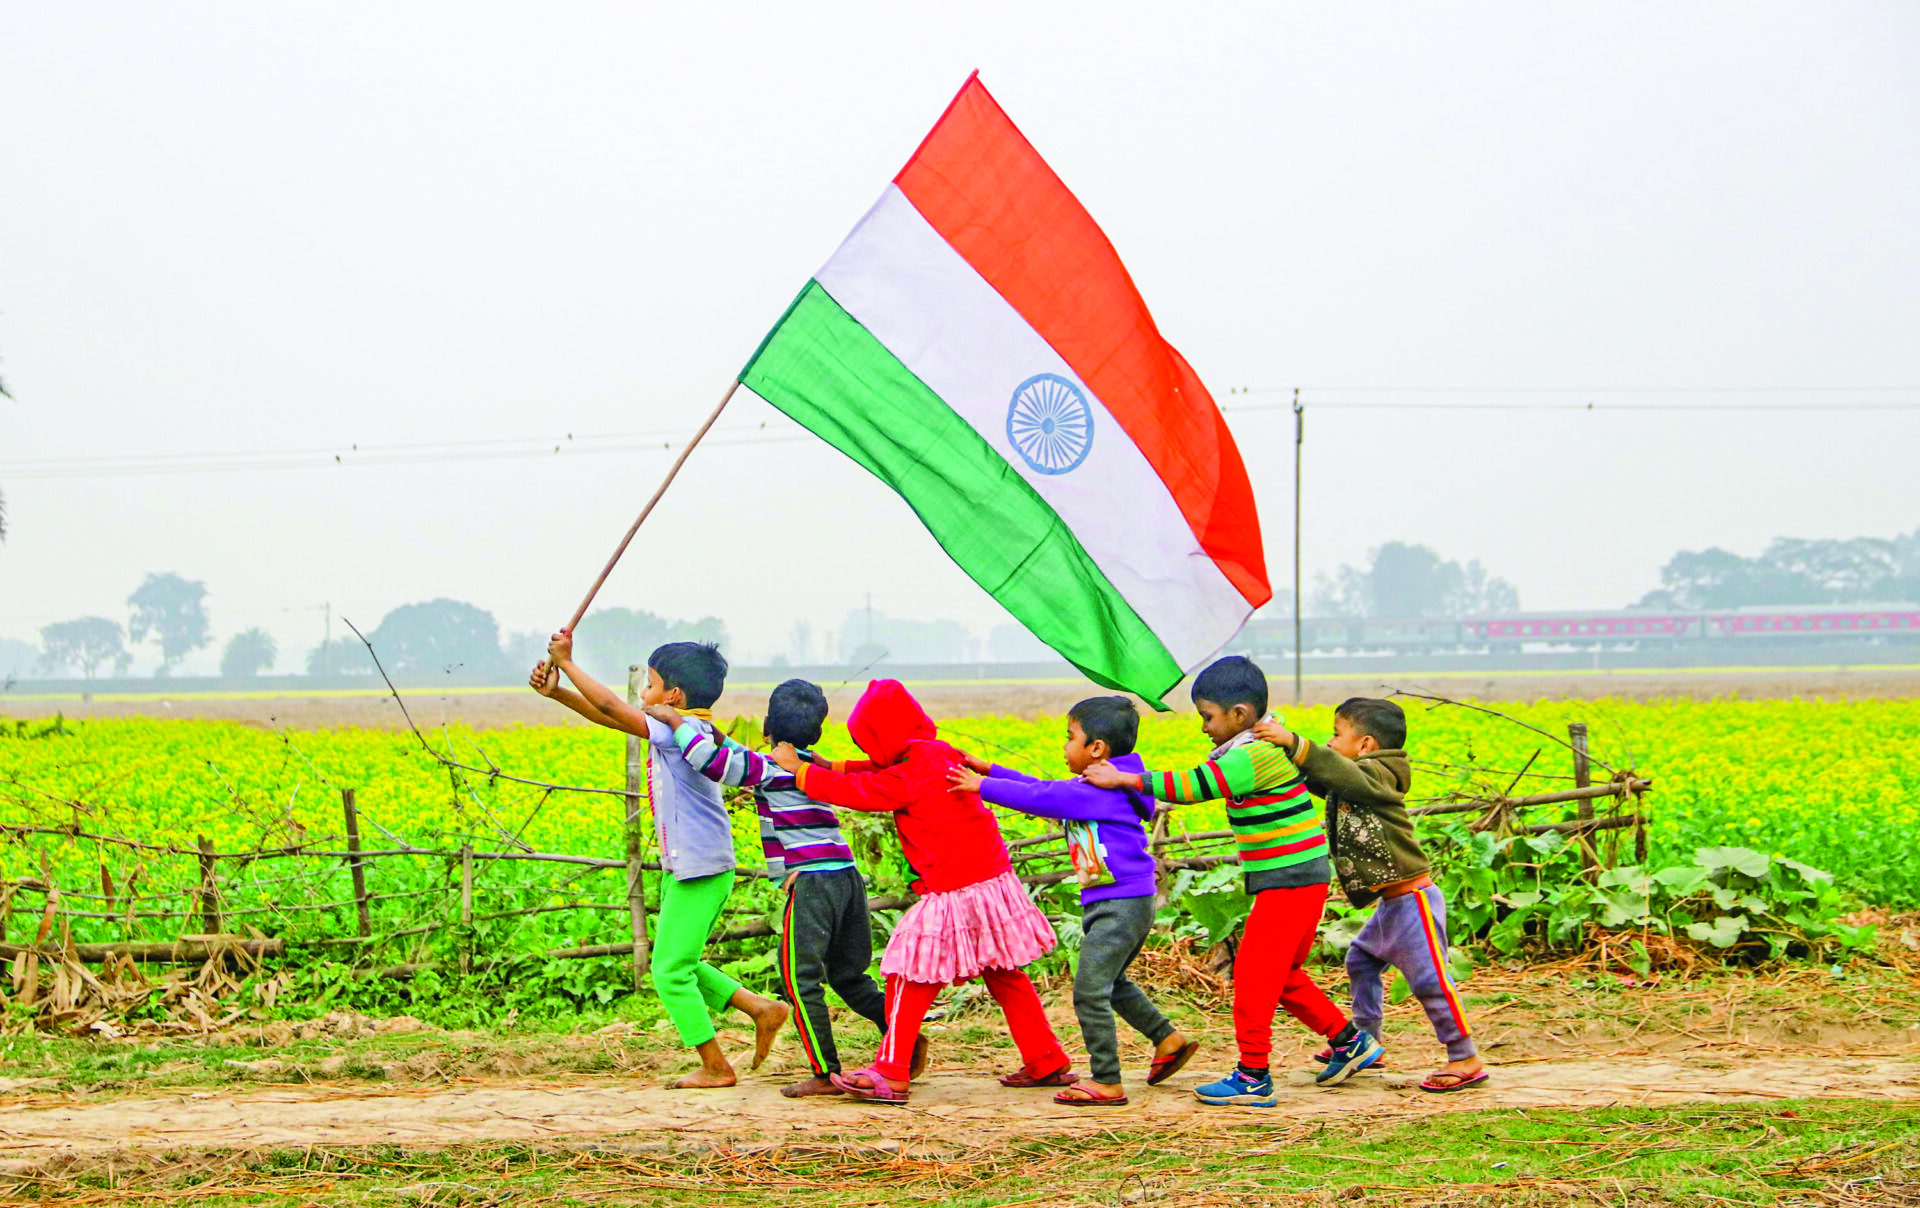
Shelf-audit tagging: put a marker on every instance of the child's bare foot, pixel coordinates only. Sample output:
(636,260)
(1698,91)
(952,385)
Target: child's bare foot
(714,1071)
(768,1018)
(703,1079)
(819,1084)
(766,1026)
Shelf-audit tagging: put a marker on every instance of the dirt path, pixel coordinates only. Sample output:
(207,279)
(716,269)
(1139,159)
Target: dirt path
(955,1105)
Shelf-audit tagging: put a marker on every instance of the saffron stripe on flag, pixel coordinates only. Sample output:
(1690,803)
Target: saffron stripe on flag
(982,185)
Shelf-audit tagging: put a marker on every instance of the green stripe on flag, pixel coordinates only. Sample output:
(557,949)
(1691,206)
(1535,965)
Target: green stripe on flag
(820,366)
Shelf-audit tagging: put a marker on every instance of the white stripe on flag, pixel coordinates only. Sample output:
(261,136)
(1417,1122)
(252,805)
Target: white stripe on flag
(919,297)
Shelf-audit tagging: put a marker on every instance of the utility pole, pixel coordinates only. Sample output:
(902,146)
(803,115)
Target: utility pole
(1299,438)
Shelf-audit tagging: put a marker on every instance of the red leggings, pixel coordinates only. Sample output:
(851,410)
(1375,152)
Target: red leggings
(1268,973)
(907,1004)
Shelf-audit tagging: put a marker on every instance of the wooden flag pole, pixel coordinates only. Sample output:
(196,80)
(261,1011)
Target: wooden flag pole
(626,540)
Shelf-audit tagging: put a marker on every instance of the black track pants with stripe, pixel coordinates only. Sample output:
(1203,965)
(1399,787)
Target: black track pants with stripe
(826,939)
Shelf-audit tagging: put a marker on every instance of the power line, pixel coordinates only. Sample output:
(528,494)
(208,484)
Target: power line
(202,463)
(519,448)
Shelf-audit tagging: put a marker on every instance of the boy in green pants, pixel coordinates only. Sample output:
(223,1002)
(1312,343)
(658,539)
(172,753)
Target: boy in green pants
(696,842)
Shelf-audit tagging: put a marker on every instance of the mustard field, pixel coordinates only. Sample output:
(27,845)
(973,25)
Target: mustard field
(1832,784)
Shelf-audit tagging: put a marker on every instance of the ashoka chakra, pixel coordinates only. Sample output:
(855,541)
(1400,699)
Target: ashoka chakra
(1050,424)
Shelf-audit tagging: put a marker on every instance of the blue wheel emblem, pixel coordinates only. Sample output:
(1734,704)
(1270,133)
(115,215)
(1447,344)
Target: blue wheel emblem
(1050,424)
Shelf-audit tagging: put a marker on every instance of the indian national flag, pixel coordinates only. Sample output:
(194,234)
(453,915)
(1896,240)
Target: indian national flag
(978,346)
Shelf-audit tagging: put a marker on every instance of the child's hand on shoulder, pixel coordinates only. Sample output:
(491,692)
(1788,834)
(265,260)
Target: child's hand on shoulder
(545,678)
(560,647)
(1104,775)
(786,756)
(978,764)
(666,715)
(966,779)
(1271,730)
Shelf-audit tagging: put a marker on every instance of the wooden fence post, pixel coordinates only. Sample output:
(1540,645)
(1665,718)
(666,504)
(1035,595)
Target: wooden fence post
(1157,845)
(209,893)
(1583,778)
(355,864)
(466,907)
(635,832)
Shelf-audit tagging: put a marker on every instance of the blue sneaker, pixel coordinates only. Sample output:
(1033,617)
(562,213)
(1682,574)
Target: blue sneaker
(1238,1090)
(1343,1062)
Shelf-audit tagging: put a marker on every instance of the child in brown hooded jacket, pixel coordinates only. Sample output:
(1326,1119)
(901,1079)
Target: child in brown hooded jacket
(1363,774)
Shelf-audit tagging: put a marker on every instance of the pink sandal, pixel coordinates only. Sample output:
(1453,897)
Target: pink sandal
(1433,1086)
(879,1090)
(1089,1096)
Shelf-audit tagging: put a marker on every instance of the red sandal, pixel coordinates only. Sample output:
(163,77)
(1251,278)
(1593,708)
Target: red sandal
(1021,1080)
(1166,1067)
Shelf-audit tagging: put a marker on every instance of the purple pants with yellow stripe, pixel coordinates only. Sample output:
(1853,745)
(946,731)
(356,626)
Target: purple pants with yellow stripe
(1410,934)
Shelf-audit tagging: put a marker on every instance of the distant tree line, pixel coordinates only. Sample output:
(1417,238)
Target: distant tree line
(1856,570)
(1404,580)
(439,636)
(1398,579)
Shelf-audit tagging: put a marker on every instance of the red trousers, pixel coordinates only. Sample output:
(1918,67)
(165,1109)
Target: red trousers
(1268,971)
(907,1004)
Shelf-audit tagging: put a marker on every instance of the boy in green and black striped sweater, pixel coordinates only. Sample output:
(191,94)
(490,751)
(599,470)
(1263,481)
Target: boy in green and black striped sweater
(1283,859)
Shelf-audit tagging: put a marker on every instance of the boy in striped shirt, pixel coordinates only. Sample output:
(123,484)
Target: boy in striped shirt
(826,935)
(1283,860)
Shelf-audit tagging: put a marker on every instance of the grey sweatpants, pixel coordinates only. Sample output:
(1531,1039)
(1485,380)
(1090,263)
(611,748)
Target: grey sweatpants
(1410,934)
(826,939)
(1111,935)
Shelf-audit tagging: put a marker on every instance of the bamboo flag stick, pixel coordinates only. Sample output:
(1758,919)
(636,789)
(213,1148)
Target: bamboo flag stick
(626,540)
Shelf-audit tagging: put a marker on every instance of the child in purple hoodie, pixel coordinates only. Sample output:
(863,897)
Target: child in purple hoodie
(1115,916)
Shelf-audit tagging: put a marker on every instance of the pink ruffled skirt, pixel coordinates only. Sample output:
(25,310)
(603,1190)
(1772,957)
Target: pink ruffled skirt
(952,936)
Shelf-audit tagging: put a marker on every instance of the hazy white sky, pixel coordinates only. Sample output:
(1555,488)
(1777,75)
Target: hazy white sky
(252,228)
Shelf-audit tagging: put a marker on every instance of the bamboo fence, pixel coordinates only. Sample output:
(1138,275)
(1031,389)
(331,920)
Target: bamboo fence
(218,905)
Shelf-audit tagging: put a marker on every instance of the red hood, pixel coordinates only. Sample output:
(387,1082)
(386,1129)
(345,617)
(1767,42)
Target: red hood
(886,720)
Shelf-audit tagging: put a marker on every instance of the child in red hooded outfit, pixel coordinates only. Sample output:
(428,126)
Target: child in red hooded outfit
(973,919)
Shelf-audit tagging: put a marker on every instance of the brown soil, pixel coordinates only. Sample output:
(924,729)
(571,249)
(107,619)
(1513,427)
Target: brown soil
(487,709)
(1569,1038)
(503,1110)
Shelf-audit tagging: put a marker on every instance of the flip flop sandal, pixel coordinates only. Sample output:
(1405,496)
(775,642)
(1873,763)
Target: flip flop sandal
(917,1064)
(879,1092)
(1088,1097)
(1166,1067)
(1020,1079)
(1460,1082)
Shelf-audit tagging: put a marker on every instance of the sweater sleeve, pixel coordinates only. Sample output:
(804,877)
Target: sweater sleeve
(1058,799)
(1252,768)
(1330,772)
(879,792)
(997,772)
(722,760)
